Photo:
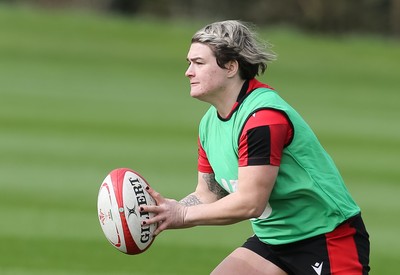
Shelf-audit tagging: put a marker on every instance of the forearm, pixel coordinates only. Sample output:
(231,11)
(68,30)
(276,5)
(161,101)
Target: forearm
(190,200)
(217,207)
(228,210)
(208,190)
(211,205)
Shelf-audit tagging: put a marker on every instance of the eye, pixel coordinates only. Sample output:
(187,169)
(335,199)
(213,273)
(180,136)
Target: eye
(198,62)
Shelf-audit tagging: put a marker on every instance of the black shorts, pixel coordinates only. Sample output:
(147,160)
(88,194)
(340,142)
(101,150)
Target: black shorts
(343,251)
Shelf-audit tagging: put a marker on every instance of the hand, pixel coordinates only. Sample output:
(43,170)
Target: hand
(169,213)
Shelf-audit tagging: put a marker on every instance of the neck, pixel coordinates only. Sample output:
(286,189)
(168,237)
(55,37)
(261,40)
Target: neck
(225,100)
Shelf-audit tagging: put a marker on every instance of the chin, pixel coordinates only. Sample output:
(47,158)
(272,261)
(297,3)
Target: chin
(195,94)
(200,95)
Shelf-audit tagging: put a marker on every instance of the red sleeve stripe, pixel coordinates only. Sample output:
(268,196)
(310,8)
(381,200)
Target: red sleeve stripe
(203,165)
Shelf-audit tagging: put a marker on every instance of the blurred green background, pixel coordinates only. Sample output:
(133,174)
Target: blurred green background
(84,93)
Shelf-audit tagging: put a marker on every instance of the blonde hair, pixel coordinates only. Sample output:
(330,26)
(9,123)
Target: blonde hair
(234,40)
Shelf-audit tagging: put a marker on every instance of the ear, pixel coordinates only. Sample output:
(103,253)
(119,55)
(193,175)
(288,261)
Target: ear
(232,68)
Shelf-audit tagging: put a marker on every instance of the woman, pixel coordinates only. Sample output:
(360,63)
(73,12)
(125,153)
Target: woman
(259,160)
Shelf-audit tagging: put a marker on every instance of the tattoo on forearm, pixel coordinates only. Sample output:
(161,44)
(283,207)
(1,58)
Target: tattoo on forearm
(190,200)
(214,187)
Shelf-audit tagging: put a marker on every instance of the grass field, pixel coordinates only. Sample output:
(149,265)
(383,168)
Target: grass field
(82,94)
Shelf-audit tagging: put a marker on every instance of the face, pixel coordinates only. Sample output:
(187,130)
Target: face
(207,79)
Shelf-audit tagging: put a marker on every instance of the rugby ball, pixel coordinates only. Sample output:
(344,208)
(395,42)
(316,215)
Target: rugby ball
(120,197)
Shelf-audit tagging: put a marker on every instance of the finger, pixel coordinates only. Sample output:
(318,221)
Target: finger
(157,196)
(160,228)
(150,209)
(153,220)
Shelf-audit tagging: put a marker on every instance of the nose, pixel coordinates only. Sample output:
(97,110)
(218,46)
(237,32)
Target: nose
(189,72)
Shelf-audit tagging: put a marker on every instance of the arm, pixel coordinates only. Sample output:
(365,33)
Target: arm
(208,190)
(249,201)
(170,213)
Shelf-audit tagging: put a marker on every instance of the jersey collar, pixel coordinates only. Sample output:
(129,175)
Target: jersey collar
(247,88)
